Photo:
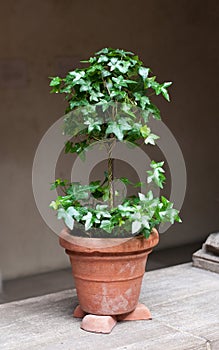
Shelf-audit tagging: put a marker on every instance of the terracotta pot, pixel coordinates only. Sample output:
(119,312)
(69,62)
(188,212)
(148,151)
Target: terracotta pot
(108,272)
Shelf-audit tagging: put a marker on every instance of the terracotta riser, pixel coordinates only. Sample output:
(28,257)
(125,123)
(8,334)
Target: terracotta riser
(105,324)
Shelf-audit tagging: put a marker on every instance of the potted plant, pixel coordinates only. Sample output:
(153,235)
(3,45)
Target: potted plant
(108,244)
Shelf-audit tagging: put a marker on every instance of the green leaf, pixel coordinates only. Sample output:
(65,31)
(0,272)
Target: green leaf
(103,51)
(151,139)
(93,125)
(102,212)
(125,180)
(103,58)
(141,196)
(126,208)
(155,165)
(146,232)
(54,205)
(114,128)
(139,184)
(120,81)
(105,73)
(106,225)
(78,192)
(156,175)
(145,131)
(68,146)
(164,90)
(144,101)
(143,72)
(105,194)
(88,221)
(73,212)
(69,221)
(56,81)
(154,111)
(94,96)
(136,226)
(145,115)
(165,94)
(128,109)
(58,183)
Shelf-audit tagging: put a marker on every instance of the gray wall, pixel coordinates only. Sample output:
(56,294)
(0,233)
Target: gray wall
(177,39)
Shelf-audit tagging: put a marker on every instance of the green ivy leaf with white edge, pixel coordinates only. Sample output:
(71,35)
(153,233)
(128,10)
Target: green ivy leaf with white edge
(143,72)
(155,112)
(105,73)
(78,191)
(94,96)
(141,196)
(136,226)
(139,221)
(102,212)
(145,221)
(85,85)
(114,128)
(102,58)
(145,115)
(69,221)
(112,63)
(123,123)
(93,125)
(73,212)
(88,221)
(128,110)
(156,175)
(120,65)
(169,215)
(120,81)
(101,206)
(77,75)
(144,101)
(106,225)
(150,139)
(155,165)
(167,212)
(149,204)
(125,209)
(149,195)
(118,128)
(123,66)
(164,90)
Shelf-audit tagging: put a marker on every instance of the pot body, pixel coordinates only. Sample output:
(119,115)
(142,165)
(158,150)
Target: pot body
(108,272)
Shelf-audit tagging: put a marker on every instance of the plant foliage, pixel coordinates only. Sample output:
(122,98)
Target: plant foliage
(109,100)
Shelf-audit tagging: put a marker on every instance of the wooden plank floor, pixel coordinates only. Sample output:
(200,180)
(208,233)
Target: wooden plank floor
(184,302)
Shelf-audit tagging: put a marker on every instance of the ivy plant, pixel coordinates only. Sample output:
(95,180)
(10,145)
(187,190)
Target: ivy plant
(109,100)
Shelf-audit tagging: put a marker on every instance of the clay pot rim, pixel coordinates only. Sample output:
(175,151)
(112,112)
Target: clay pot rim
(107,245)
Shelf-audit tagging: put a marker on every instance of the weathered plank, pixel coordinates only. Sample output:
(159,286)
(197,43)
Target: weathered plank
(183,301)
(212,243)
(208,257)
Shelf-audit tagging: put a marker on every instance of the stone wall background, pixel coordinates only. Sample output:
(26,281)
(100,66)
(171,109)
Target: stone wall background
(177,39)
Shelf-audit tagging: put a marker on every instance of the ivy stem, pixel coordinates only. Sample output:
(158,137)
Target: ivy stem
(110,173)
(110,179)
